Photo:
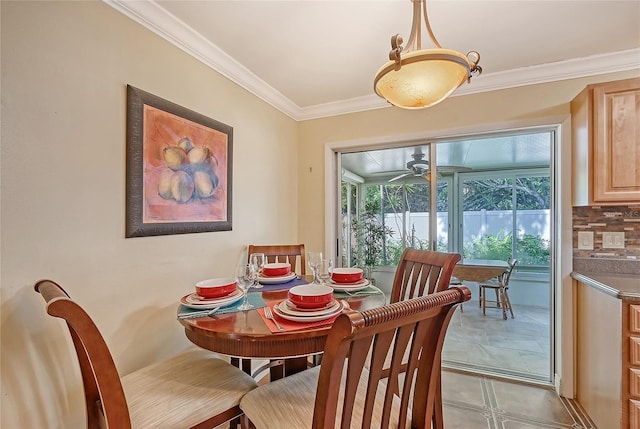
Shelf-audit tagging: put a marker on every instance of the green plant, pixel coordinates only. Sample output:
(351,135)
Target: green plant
(530,249)
(370,239)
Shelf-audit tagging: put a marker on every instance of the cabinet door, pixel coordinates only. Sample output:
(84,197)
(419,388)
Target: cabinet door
(616,141)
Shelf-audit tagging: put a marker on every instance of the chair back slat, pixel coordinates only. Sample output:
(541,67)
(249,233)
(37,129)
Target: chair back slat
(422,272)
(357,357)
(291,253)
(417,325)
(100,376)
(507,274)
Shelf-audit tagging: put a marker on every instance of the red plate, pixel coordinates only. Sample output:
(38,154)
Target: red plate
(276,269)
(346,275)
(216,288)
(294,307)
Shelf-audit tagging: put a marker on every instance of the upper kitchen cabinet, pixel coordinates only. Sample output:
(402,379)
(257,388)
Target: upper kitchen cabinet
(605,127)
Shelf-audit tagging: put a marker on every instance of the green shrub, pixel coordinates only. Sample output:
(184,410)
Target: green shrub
(530,249)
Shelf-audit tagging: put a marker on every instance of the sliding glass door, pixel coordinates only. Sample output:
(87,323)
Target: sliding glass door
(493,199)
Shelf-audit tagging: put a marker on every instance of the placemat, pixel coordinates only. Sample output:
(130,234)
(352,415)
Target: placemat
(369,290)
(293,326)
(253,298)
(281,286)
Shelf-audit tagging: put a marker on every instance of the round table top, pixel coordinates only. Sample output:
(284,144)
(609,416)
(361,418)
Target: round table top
(245,335)
(479,270)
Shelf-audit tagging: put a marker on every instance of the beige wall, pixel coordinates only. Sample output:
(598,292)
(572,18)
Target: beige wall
(65,67)
(525,106)
(544,104)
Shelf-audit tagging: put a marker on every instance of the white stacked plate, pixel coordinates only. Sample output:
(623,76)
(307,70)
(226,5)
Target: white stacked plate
(273,280)
(193,300)
(350,287)
(289,311)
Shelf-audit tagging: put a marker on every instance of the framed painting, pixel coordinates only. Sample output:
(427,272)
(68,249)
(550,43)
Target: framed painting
(179,166)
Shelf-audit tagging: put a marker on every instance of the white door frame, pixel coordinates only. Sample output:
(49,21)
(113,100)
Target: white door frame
(562,253)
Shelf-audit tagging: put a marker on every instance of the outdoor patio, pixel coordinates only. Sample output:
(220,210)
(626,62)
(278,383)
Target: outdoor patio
(514,348)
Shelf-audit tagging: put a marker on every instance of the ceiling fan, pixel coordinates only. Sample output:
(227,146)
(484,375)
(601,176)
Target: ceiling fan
(419,166)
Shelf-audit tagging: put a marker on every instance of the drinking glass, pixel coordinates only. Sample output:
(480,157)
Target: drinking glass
(246,275)
(314,259)
(257,260)
(325,270)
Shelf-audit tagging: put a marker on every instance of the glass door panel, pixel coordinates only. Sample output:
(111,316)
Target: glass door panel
(493,202)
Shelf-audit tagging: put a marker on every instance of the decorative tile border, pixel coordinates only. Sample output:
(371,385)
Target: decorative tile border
(501,404)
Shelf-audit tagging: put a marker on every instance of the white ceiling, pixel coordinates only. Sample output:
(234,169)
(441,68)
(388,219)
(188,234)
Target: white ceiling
(514,151)
(318,58)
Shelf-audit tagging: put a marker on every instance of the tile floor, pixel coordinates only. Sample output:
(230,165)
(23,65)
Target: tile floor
(518,347)
(479,347)
(478,402)
(501,349)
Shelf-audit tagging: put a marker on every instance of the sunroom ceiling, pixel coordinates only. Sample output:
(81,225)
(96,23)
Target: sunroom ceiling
(494,153)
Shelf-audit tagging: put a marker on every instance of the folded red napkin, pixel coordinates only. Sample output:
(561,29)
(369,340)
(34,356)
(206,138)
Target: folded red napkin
(289,325)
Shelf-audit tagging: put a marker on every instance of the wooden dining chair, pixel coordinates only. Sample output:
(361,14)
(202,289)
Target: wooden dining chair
(421,272)
(350,386)
(455,281)
(193,389)
(291,253)
(501,288)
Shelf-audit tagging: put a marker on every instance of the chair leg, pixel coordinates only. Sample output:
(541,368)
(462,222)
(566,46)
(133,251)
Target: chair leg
(484,302)
(498,297)
(504,304)
(247,424)
(508,301)
(438,414)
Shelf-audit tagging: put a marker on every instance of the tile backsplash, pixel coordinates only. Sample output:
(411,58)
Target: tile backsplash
(601,219)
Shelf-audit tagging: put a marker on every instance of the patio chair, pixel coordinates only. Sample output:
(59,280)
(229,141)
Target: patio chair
(193,389)
(501,288)
(350,388)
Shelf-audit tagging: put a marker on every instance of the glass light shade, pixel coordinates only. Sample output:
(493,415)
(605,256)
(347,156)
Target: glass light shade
(426,77)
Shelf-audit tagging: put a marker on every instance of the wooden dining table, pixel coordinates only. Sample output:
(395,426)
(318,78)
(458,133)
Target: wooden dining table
(481,270)
(244,335)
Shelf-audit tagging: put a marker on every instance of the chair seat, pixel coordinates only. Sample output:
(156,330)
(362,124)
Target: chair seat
(490,283)
(184,390)
(289,403)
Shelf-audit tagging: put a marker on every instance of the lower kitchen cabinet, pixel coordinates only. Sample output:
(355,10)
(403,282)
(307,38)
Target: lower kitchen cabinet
(608,353)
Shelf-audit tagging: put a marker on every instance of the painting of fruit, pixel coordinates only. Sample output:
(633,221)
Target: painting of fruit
(178,169)
(190,168)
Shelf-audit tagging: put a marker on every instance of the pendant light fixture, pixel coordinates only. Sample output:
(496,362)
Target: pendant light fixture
(415,78)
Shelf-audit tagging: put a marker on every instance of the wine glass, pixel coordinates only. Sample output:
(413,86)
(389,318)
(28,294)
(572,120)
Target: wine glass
(325,270)
(257,260)
(246,275)
(314,259)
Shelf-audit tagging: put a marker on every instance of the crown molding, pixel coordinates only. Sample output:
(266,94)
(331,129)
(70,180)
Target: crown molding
(158,20)
(544,73)
(150,15)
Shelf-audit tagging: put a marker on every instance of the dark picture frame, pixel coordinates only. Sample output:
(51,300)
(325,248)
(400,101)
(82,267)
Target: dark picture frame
(179,169)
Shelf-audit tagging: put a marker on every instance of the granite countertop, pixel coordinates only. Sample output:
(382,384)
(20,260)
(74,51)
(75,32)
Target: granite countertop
(621,286)
(615,277)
